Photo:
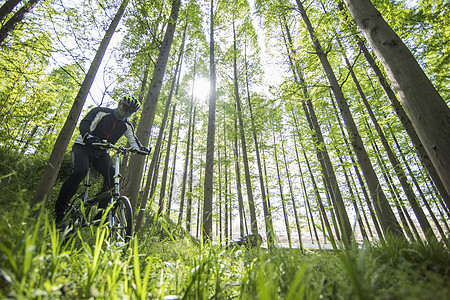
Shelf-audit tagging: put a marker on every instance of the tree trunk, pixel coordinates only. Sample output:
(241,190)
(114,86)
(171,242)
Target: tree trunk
(267,213)
(172,176)
(321,151)
(392,158)
(191,175)
(62,141)
(283,204)
(7,8)
(238,183)
(357,172)
(291,191)
(385,214)
(209,166)
(162,192)
(311,217)
(426,109)
(251,202)
(149,107)
(186,165)
(406,122)
(15,19)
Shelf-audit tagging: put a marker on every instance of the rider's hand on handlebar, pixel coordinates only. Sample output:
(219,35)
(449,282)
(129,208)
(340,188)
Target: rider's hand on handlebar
(143,151)
(91,140)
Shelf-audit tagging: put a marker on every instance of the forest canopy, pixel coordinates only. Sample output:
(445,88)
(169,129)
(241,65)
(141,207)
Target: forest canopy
(280,118)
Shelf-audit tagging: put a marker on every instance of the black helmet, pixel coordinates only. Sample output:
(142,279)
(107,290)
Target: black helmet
(130,103)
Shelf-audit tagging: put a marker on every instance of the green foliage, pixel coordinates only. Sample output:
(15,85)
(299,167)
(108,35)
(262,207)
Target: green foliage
(37,261)
(18,175)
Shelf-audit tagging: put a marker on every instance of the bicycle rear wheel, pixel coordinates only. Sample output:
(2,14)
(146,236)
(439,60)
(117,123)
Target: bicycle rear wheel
(121,222)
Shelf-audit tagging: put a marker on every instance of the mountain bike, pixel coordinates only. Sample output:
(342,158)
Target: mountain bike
(118,216)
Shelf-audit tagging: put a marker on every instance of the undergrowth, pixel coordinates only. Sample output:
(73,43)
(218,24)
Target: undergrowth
(37,262)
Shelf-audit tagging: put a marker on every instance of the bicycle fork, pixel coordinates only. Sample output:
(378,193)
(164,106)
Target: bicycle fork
(116,194)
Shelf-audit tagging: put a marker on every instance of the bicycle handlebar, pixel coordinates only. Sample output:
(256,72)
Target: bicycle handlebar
(108,145)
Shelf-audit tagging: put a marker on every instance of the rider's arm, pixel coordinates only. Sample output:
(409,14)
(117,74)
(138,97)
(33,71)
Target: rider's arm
(131,137)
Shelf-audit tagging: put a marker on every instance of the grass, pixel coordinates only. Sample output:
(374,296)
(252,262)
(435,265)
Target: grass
(165,263)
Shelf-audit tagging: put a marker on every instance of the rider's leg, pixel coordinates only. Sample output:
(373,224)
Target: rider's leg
(80,167)
(105,166)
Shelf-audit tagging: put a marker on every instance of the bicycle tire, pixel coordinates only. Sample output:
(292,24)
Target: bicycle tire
(121,226)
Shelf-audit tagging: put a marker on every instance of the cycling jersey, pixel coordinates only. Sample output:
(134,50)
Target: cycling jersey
(101,122)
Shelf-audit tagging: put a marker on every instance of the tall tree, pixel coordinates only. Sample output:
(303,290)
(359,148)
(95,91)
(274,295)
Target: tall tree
(209,166)
(251,202)
(384,211)
(149,107)
(12,23)
(428,112)
(321,150)
(162,193)
(7,7)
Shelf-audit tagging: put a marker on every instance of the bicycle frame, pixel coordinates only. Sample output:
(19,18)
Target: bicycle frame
(117,175)
(119,213)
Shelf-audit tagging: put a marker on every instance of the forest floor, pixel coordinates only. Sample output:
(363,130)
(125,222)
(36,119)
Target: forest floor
(166,263)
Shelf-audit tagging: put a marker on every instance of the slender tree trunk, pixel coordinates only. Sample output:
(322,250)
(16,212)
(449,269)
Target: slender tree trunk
(238,183)
(392,158)
(228,221)
(172,176)
(324,218)
(251,202)
(357,172)
(186,165)
(191,178)
(162,193)
(51,170)
(352,194)
(267,214)
(220,197)
(7,8)
(426,109)
(308,207)
(291,191)
(209,167)
(149,108)
(285,213)
(321,151)
(9,26)
(406,122)
(416,184)
(387,218)
(156,153)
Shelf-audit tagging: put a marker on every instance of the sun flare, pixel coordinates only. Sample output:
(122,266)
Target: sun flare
(201,89)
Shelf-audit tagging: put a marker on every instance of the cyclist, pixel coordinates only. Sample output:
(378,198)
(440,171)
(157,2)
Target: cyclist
(100,124)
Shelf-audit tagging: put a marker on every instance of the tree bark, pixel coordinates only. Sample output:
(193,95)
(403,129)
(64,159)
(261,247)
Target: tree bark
(251,202)
(385,214)
(291,191)
(162,192)
(7,8)
(238,184)
(321,151)
(191,175)
(149,107)
(425,225)
(15,19)
(280,186)
(426,109)
(267,214)
(209,166)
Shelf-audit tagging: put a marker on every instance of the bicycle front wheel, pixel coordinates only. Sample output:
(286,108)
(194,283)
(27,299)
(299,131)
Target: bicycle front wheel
(121,220)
